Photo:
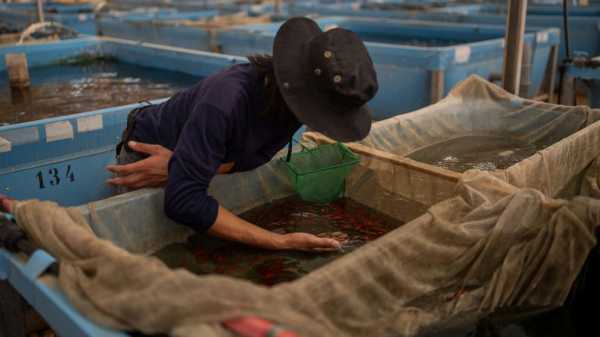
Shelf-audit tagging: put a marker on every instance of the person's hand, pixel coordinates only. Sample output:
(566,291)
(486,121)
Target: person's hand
(6,203)
(149,172)
(308,242)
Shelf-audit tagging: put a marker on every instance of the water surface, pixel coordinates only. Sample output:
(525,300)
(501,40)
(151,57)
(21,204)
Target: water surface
(487,153)
(86,84)
(346,219)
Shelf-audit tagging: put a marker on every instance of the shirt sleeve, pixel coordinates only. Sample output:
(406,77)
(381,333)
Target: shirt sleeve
(199,152)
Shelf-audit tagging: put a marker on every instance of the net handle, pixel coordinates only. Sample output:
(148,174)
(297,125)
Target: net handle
(289,153)
(291,145)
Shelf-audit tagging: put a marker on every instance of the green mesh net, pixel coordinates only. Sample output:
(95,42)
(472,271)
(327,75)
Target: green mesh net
(318,174)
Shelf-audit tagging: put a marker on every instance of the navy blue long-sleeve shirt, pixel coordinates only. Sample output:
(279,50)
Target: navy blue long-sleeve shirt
(219,120)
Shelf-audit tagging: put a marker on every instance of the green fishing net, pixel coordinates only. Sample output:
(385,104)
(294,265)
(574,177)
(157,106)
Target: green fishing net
(318,174)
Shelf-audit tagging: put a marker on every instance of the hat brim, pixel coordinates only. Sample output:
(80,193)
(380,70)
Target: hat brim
(314,107)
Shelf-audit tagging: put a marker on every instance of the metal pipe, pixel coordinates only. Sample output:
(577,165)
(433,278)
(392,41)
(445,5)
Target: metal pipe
(513,50)
(40,10)
(437,85)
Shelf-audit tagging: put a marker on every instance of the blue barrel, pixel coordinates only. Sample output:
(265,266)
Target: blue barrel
(405,71)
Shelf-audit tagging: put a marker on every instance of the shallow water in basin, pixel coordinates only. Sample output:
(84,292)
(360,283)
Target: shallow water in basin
(346,219)
(76,86)
(485,153)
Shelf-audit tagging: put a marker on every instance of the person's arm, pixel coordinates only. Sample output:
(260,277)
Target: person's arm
(150,172)
(230,227)
(199,153)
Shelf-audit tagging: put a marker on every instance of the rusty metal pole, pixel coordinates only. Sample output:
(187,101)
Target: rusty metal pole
(513,50)
(40,10)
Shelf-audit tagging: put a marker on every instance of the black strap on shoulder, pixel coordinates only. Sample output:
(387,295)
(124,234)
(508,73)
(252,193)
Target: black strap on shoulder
(289,153)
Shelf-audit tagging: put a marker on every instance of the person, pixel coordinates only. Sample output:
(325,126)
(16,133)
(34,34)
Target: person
(238,119)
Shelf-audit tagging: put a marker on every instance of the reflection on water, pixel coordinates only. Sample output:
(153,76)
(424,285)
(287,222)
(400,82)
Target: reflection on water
(485,153)
(344,219)
(73,87)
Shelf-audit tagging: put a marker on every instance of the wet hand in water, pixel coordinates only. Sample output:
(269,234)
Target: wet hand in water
(149,172)
(344,239)
(309,242)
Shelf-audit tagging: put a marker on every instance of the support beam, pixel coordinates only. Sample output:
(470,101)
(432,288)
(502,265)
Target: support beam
(513,50)
(437,85)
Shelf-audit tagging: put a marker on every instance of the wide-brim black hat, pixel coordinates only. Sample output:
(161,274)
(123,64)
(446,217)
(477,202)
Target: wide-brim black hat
(326,78)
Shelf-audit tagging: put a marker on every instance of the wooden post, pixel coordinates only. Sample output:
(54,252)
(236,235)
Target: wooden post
(437,85)
(513,50)
(40,10)
(18,73)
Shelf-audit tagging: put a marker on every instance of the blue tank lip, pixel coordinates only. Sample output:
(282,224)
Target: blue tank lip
(49,301)
(42,122)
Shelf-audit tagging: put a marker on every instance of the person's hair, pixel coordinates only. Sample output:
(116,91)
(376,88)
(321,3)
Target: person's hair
(275,105)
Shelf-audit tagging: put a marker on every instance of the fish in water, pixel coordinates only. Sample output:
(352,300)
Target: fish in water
(350,222)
